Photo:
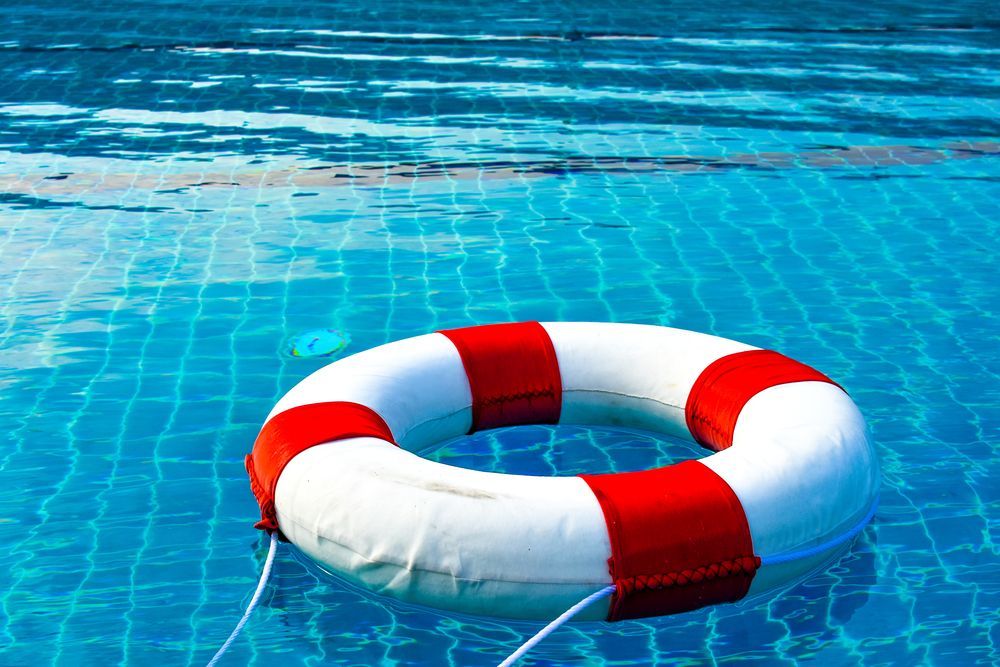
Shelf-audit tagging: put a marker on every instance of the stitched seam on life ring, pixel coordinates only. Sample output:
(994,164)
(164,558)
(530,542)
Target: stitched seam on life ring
(519,395)
(446,417)
(651,399)
(565,391)
(732,567)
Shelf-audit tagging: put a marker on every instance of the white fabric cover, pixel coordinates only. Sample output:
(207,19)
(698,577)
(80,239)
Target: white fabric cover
(529,547)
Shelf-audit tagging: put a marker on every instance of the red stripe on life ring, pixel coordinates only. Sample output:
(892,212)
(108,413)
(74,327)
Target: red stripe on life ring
(679,540)
(295,430)
(725,386)
(513,374)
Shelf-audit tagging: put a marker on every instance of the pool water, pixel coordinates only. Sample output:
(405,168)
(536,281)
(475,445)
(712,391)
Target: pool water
(185,188)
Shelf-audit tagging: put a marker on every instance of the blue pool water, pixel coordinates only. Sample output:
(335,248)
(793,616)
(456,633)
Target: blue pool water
(187,187)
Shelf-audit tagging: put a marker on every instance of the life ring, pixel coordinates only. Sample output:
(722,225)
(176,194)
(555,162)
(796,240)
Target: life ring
(792,469)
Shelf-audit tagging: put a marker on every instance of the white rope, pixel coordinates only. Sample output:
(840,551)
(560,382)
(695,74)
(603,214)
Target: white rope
(554,625)
(253,601)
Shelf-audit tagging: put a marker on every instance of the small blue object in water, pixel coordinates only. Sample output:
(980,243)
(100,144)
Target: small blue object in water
(318,343)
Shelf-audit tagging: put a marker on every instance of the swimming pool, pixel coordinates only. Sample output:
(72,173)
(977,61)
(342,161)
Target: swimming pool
(186,189)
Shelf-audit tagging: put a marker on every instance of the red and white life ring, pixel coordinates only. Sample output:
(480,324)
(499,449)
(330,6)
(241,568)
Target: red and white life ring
(792,469)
